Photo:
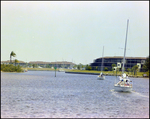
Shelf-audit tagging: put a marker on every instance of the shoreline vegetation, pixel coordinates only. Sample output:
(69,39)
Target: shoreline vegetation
(11,68)
(19,69)
(107,73)
(133,72)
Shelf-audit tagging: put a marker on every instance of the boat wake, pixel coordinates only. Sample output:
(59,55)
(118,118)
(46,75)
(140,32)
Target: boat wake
(133,92)
(139,94)
(113,90)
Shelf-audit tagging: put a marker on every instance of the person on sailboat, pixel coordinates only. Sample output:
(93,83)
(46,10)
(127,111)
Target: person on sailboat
(101,74)
(124,75)
(120,78)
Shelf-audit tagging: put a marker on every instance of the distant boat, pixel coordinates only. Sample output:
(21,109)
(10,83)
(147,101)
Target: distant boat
(101,76)
(124,84)
(61,70)
(25,70)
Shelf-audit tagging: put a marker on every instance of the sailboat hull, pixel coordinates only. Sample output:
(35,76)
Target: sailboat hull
(123,88)
(100,78)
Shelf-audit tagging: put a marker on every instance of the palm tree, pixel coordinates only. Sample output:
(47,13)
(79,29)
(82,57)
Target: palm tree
(12,54)
(16,61)
(135,69)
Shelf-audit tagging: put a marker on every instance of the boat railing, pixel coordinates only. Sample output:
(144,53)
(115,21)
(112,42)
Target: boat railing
(126,84)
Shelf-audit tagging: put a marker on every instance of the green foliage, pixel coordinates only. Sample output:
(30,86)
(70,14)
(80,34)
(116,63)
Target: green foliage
(34,65)
(147,73)
(128,70)
(26,64)
(75,66)
(30,65)
(78,67)
(16,61)
(11,68)
(134,69)
(88,67)
(48,66)
(113,65)
(105,69)
(12,54)
(146,64)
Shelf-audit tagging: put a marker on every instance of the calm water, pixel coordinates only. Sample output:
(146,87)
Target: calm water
(41,94)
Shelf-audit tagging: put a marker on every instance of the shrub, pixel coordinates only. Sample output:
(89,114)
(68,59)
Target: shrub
(11,68)
(105,69)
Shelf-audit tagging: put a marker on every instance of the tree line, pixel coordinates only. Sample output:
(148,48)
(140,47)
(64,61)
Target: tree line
(10,67)
(79,66)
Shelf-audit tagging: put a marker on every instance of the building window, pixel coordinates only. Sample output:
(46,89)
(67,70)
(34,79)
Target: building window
(142,61)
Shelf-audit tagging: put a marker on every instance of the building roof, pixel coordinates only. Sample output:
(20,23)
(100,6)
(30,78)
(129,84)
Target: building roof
(63,62)
(13,61)
(121,57)
(38,62)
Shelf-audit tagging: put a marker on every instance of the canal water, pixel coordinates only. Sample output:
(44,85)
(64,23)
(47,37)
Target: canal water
(38,94)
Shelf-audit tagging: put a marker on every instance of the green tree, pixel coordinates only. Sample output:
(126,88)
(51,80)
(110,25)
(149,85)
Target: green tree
(16,61)
(81,65)
(96,68)
(86,67)
(128,70)
(89,68)
(12,54)
(135,69)
(105,69)
(30,65)
(113,65)
(48,66)
(78,67)
(34,65)
(146,64)
(74,66)
(11,68)
(2,66)
(26,65)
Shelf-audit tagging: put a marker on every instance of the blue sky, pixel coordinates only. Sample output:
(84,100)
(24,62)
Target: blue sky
(74,31)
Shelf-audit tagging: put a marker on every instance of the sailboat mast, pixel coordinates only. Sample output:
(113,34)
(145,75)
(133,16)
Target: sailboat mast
(102,59)
(125,47)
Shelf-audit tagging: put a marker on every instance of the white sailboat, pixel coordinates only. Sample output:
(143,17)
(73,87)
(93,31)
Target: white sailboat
(124,84)
(101,76)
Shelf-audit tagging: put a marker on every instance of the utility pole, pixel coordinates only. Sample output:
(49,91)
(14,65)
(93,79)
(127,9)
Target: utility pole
(55,68)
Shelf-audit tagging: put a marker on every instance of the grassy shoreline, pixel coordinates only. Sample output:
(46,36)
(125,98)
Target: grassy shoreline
(109,73)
